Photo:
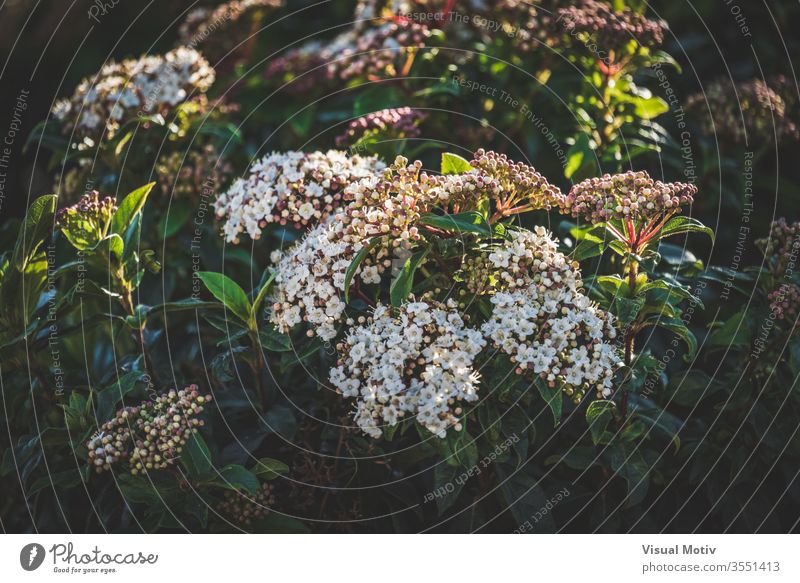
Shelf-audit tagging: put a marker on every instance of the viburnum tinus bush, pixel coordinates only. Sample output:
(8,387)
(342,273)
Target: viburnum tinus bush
(416,272)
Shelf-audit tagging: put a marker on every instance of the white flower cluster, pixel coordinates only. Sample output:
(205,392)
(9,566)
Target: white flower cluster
(310,279)
(415,360)
(294,188)
(121,92)
(553,330)
(530,257)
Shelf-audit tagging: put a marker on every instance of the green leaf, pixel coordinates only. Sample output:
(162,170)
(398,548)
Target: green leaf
(469,222)
(673,287)
(263,292)
(679,328)
(599,414)
(581,159)
(353,267)
(626,309)
(524,496)
(454,164)
(664,58)
(34,229)
(228,292)
(680,225)
(80,233)
(690,388)
(196,458)
(446,487)
(587,248)
(110,245)
(138,490)
(58,480)
(128,209)
(656,418)
(236,477)
(403,284)
(633,468)
(280,419)
(174,219)
(648,108)
(734,332)
(274,341)
(268,468)
(108,398)
(552,396)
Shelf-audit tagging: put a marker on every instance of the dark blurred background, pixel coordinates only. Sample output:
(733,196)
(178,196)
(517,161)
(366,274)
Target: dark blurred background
(48,46)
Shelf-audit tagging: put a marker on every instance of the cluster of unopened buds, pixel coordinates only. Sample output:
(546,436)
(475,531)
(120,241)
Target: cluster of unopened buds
(781,248)
(417,360)
(149,436)
(292,188)
(122,92)
(750,111)
(87,221)
(386,124)
(784,303)
(610,30)
(244,508)
(520,187)
(630,196)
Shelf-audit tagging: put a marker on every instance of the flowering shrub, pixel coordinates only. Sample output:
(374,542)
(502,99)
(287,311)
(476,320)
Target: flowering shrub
(503,284)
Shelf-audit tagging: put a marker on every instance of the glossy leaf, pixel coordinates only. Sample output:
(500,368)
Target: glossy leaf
(228,292)
(404,282)
(454,164)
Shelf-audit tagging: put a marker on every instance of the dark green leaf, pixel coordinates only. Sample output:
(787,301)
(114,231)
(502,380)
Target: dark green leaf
(469,222)
(236,477)
(587,248)
(404,282)
(228,292)
(599,414)
(34,229)
(353,267)
(680,225)
(196,458)
(108,398)
(174,219)
(268,468)
(552,396)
